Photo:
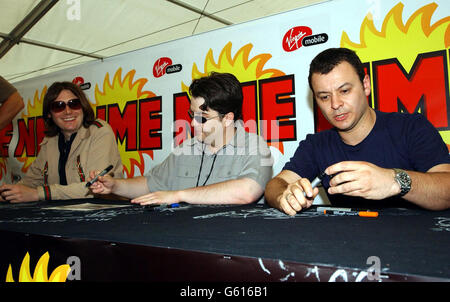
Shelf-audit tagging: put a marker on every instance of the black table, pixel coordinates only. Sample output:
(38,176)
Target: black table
(226,243)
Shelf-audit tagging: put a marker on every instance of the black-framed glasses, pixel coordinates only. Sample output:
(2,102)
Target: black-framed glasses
(199,118)
(59,106)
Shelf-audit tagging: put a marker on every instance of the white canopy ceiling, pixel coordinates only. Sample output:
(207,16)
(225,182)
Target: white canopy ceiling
(42,36)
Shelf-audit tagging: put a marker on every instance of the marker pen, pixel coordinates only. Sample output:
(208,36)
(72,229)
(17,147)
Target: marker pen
(316,181)
(372,214)
(89,183)
(321,209)
(153,207)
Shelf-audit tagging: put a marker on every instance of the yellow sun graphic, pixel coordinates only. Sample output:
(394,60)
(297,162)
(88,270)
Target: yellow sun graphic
(241,66)
(417,35)
(119,91)
(40,272)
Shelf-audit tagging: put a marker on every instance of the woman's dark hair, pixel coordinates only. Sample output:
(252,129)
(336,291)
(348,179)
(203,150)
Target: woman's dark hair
(325,61)
(222,92)
(52,93)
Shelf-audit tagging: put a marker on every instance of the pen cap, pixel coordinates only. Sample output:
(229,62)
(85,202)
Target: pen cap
(109,168)
(368,214)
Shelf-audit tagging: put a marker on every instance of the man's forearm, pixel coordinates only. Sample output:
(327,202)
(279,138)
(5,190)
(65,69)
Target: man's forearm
(430,190)
(130,187)
(224,193)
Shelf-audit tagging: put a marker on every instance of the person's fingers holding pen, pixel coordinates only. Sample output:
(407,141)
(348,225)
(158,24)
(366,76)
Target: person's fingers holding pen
(103,185)
(95,187)
(291,204)
(92,175)
(297,196)
(106,170)
(304,192)
(309,191)
(363,179)
(292,199)
(288,204)
(285,205)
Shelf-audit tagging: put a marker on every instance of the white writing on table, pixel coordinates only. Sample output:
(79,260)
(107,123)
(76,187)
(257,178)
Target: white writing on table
(443,224)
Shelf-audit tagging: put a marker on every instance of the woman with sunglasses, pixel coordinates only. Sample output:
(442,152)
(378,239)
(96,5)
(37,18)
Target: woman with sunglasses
(74,143)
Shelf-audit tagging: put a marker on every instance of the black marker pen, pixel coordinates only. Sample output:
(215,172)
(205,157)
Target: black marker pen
(89,183)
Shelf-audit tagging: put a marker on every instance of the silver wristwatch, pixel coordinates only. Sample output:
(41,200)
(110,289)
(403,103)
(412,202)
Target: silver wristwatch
(403,180)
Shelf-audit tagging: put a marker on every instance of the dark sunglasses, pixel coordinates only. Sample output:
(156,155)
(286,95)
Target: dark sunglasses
(59,106)
(199,118)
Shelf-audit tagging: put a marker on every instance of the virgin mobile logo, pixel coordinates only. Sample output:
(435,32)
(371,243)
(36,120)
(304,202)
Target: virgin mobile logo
(292,39)
(301,35)
(159,68)
(80,82)
(163,66)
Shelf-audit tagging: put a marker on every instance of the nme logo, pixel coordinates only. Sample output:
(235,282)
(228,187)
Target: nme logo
(299,36)
(164,65)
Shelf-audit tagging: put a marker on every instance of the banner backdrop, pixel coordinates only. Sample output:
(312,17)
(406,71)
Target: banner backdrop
(144,94)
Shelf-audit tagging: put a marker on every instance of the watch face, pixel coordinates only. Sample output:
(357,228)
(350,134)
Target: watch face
(404,181)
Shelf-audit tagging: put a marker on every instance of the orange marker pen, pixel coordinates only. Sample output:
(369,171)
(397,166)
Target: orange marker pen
(371,214)
(368,214)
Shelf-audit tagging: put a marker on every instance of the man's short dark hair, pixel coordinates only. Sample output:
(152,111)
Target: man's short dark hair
(52,93)
(222,92)
(328,59)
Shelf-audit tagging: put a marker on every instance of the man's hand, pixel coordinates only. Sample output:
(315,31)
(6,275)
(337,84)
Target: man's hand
(362,179)
(297,196)
(103,185)
(159,197)
(18,193)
